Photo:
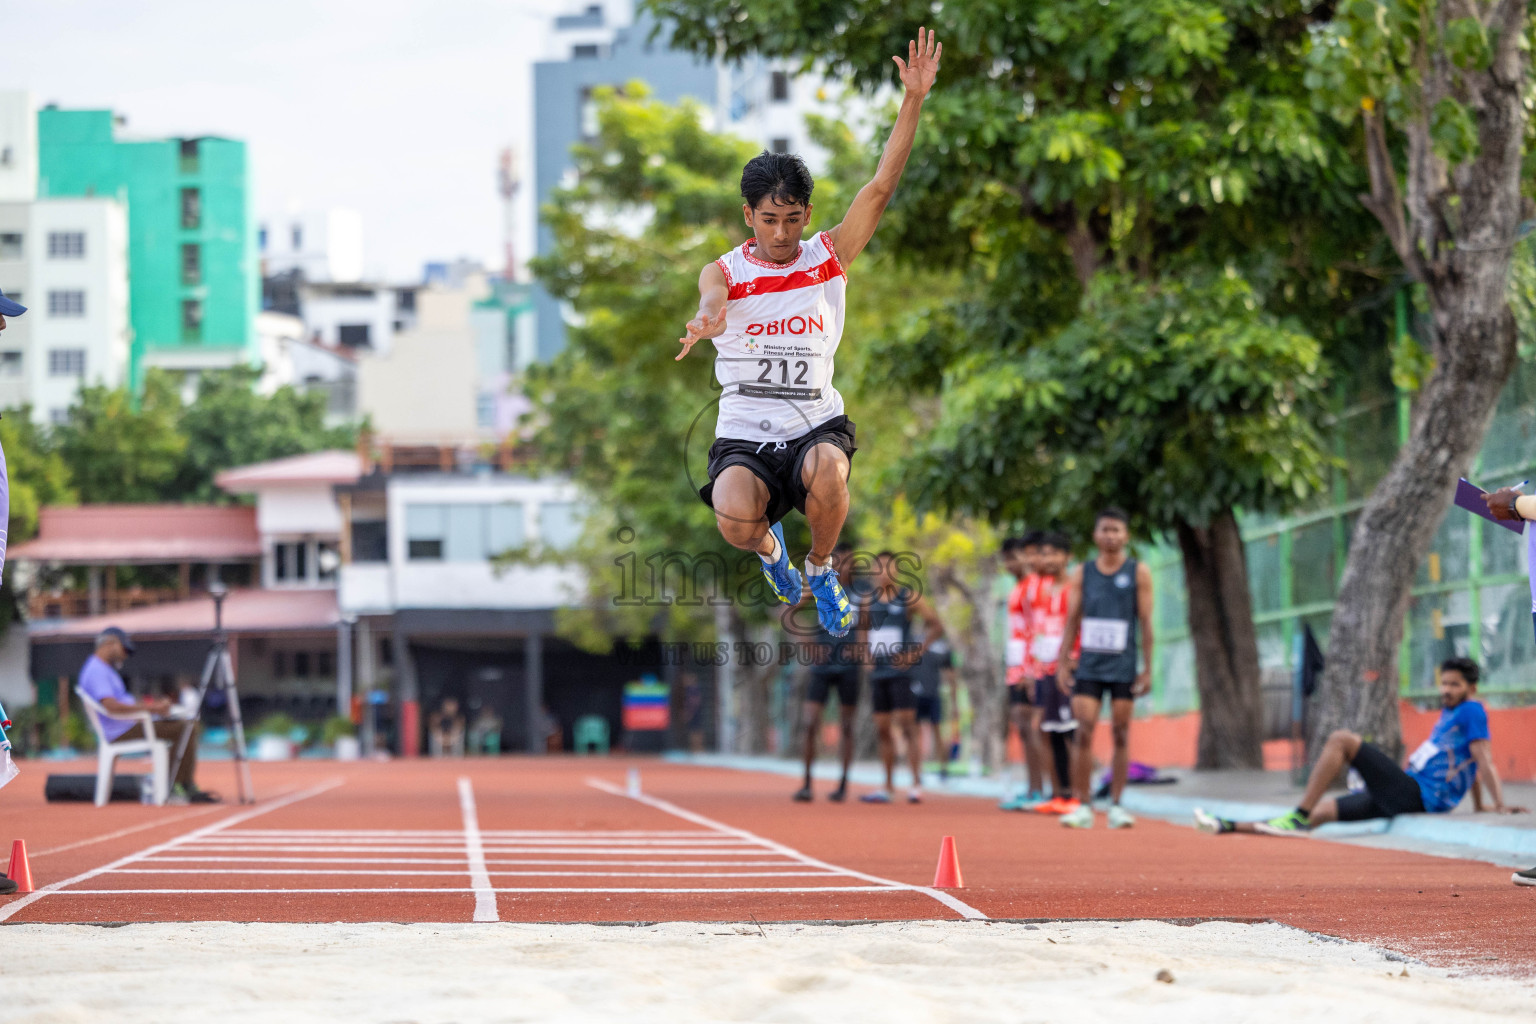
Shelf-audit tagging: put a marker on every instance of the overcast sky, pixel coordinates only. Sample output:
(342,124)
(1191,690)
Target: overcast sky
(397,109)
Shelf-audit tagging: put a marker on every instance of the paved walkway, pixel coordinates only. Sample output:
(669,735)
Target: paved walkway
(1496,838)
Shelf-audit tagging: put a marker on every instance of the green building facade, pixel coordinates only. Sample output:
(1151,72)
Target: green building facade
(1470,596)
(194,277)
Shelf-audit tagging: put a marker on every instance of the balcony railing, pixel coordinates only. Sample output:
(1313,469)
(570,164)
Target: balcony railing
(76,604)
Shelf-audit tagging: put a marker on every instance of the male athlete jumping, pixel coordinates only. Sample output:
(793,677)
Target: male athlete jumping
(775,309)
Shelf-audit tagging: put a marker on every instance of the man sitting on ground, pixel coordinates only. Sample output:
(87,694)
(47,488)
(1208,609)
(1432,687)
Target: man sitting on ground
(100,680)
(1457,754)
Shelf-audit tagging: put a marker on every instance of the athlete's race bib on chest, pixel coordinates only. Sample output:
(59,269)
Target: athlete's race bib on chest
(1045,649)
(1106,636)
(1422,756)
(886,640)
(786,370)
(1013,652)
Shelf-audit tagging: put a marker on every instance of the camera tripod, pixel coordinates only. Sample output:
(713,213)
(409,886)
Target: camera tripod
(219,672)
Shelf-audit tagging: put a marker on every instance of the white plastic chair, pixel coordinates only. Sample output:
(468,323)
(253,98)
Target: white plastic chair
(108,751)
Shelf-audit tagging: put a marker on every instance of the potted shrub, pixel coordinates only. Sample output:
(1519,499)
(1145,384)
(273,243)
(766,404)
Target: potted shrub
(340,734)
(274,741)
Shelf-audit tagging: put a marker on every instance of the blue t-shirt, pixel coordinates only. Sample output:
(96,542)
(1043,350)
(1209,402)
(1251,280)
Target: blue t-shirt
(98,681)
(1443,765)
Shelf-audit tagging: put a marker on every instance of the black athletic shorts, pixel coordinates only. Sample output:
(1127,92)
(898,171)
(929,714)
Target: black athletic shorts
(1097,688)
(892,693)
(1055,705)
(1021,693)
(930,708)
(845,683)
(778,468)
(1389,790)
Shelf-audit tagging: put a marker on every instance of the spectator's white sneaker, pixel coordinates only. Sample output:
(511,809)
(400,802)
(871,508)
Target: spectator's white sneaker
(1080,818)
(1119,817)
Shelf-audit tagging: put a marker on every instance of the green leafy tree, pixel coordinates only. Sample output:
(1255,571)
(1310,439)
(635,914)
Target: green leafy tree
(37,476)
(118,453)
(230,423)
(1078,158)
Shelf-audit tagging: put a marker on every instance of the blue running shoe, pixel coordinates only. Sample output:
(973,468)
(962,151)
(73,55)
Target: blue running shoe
(783,577)
(832,608)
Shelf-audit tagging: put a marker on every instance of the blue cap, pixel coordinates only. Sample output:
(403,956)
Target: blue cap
(9,308)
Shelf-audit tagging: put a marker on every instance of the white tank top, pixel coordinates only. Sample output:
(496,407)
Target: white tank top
(783,322)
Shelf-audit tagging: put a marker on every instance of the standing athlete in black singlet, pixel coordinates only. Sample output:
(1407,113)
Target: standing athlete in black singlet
(1109,607)
(886,627)
(836,670)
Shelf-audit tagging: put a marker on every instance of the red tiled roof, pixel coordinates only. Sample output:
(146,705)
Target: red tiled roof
(330,467)
(245,611)
(106,534)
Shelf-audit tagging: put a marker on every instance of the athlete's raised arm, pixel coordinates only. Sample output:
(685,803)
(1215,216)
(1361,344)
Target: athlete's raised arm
(710,322)
(917,74)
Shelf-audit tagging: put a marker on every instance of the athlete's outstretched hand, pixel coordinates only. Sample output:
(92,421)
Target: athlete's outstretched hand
(701,327)
(922,64)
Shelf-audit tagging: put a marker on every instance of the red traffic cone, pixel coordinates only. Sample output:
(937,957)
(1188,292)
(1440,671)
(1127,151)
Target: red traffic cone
(19,871)
(948,874)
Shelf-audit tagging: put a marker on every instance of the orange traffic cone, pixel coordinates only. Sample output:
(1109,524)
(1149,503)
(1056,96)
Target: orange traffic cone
(948,874)
(19,871)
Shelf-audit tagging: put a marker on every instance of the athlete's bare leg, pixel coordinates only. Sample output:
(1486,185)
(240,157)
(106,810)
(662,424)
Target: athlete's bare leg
(906,719)
(887,747)
(1042,754)
(824,472)
(845,741)
(810,716)
(1120,722)
(1086,711)
(740,499)
(1034,754)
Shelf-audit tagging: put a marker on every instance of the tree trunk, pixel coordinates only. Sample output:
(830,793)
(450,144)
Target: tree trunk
(1457,240)
(1360,683)
(975,609)
(1226,646)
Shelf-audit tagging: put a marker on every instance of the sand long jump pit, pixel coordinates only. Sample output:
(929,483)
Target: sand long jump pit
(964,971)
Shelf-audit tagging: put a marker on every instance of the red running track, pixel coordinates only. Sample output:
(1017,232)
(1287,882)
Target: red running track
(560,840)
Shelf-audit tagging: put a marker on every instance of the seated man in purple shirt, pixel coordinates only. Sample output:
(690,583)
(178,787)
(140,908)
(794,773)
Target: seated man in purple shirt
(100,680)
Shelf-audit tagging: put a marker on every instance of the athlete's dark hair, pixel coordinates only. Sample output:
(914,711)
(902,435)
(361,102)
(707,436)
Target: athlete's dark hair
(886,553)
(783,176)
(1033,539)
(842,547)
(1056,539)
(1012,544)
(1466,666)
(1111,512)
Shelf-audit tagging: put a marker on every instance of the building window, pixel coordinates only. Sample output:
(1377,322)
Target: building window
(191,209)
(485,410)
(10,246)
(281,570)
(778,87)
(325,665)
(559,524)
(301,664)
(370,541)
(261,238)
(327,561)
(68,303)
(66,362)
(584,51)
(10,364)
(352,335)
(781,145)
(301,561)
(588,115)
(191,263)
(66,245)
(296,237)
(191,320)
(462,532)
(6,156)
(279,664)
(190,158)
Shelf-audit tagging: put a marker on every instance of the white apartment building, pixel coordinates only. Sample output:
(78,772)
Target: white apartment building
(66,260)
(356,316)
(322,245)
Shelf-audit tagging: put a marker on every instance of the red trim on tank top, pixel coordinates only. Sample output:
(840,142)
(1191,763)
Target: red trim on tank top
(819,274)
(826,239)
(725,270)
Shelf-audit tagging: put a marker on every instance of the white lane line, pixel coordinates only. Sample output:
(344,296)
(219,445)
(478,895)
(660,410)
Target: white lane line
(488,834)
(54,887)
(456,860)
(201,811)
(965,910)
(479,877)
(734,851)
(803,873)
(456,889)
(714,843)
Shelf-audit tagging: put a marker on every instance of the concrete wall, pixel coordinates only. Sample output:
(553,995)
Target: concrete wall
(18,146)
(425,388)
